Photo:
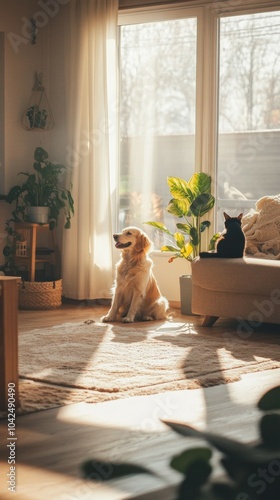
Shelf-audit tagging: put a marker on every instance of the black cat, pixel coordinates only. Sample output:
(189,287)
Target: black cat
(232,242)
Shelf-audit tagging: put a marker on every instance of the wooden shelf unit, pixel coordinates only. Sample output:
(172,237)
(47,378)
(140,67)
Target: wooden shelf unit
(31,259)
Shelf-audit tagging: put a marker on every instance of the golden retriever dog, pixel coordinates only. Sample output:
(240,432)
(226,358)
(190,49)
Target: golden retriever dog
(136,296)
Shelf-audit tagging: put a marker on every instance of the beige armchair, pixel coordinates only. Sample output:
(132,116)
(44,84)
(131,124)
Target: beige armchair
(246,289)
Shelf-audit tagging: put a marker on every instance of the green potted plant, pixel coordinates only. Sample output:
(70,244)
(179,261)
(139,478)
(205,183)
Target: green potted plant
(190,201)
(42,188)
(37,117)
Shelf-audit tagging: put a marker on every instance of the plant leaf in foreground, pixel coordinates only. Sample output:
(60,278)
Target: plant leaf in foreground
(234,449)
(98,470)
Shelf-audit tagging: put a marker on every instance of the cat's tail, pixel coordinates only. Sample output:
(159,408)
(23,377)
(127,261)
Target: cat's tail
(209,255)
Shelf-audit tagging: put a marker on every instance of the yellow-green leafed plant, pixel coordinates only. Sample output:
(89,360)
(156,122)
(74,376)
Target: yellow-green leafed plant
(190,201)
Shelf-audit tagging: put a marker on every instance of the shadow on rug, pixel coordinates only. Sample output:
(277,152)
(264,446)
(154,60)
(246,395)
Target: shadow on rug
(95,362)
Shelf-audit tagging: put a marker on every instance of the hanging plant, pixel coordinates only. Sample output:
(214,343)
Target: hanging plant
(38,115)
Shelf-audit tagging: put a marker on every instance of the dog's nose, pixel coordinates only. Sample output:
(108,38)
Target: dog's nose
(115,236)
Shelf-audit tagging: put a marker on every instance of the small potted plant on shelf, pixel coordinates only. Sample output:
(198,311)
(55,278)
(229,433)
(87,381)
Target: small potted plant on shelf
(190,201)
(42,189)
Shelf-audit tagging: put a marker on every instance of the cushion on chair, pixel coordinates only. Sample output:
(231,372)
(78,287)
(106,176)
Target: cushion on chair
(246,275)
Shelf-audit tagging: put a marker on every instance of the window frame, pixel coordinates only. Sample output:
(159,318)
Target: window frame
(208,14)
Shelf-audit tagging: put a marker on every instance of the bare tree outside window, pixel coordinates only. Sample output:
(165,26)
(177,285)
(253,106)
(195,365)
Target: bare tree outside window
(157,121)
(158,70)
(249,111)
(250,72)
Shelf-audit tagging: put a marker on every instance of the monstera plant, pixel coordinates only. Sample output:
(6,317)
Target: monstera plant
(190,201)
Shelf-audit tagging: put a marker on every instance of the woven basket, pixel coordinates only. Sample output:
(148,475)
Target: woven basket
(40,295)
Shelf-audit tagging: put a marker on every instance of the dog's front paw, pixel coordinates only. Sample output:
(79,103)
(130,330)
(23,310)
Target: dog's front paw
(128,319)
(108,319)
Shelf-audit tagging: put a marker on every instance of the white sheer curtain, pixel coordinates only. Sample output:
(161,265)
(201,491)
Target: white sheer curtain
(87,255)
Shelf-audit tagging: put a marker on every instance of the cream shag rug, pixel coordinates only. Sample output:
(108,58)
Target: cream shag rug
(93,362)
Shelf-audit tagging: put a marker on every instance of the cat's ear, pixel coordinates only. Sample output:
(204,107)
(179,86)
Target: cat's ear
(240,216)
(226,216)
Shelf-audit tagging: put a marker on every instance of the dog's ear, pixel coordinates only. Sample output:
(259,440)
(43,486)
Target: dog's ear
(143,243)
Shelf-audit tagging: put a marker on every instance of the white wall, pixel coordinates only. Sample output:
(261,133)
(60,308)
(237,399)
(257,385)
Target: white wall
(22,60)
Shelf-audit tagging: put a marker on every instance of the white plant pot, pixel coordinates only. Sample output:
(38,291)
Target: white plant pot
(186,294)
(38,215)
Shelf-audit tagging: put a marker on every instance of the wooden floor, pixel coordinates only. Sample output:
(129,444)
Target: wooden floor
(51,445)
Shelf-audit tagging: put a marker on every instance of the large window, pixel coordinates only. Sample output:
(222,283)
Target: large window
(249,110)
(167,112)
(157,120)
